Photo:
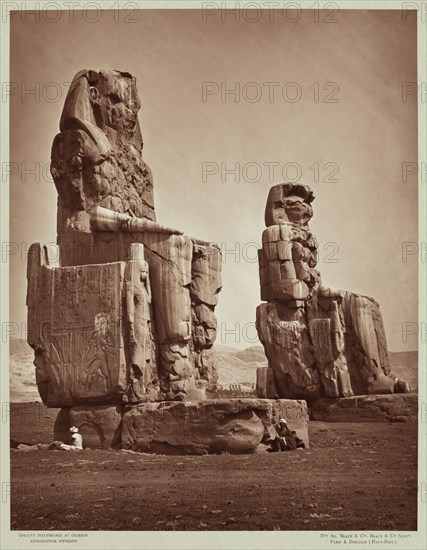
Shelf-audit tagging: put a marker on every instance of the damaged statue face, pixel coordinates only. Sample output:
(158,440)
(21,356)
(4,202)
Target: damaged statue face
(289,202)
(116,96)
(292,209)
(297,210)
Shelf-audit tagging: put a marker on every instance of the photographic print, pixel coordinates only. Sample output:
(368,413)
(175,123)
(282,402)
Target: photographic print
(213,272)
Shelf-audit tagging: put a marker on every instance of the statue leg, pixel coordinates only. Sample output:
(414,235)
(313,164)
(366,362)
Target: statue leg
(284,334)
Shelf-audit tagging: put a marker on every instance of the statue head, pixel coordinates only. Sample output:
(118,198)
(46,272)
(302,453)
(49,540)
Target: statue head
(100,100)
(289,202)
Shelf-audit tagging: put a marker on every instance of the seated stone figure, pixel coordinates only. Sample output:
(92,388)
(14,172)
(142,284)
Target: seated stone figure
(318,341)
(160,313)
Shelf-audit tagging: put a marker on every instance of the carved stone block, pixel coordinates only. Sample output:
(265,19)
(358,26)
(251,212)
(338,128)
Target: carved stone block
(129,315)
(213,426)
(366,348)
(318,341)
(289,352)
(76,330)
(367,408)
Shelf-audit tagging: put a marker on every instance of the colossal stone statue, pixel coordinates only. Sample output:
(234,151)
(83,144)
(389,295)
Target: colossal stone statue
(123,329)
(318,341)
(129,315)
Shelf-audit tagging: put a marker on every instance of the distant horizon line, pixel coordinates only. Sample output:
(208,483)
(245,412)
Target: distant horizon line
(18,338)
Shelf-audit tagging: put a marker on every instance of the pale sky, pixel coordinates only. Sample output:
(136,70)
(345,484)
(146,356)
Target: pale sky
(362,60)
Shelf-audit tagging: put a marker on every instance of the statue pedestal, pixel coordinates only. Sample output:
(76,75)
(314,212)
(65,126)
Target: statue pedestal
(396,407)
(184,427)
(100,425)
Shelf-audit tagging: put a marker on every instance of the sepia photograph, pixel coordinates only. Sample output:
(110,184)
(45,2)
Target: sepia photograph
(213,274)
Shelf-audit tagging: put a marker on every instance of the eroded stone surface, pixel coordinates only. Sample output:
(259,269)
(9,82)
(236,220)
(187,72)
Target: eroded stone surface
(319,341)
(212,426)
(75,328)
(96,159)
(161,288)
(401,407)
(265,384)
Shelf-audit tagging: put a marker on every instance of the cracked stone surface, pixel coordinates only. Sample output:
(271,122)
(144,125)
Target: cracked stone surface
(128,317)
(211,426)
(401,407)
(319,341)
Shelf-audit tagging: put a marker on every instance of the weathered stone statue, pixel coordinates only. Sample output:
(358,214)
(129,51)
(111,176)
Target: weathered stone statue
(137,297)
(318,341)
(123,329)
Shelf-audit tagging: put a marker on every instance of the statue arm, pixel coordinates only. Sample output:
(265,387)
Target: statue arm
(103,219)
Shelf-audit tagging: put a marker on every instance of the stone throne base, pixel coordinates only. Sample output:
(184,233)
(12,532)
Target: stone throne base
(390,407)
(395,407)
(184,427)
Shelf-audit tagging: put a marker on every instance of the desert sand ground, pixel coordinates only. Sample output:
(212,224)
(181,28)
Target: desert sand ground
(353,477)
